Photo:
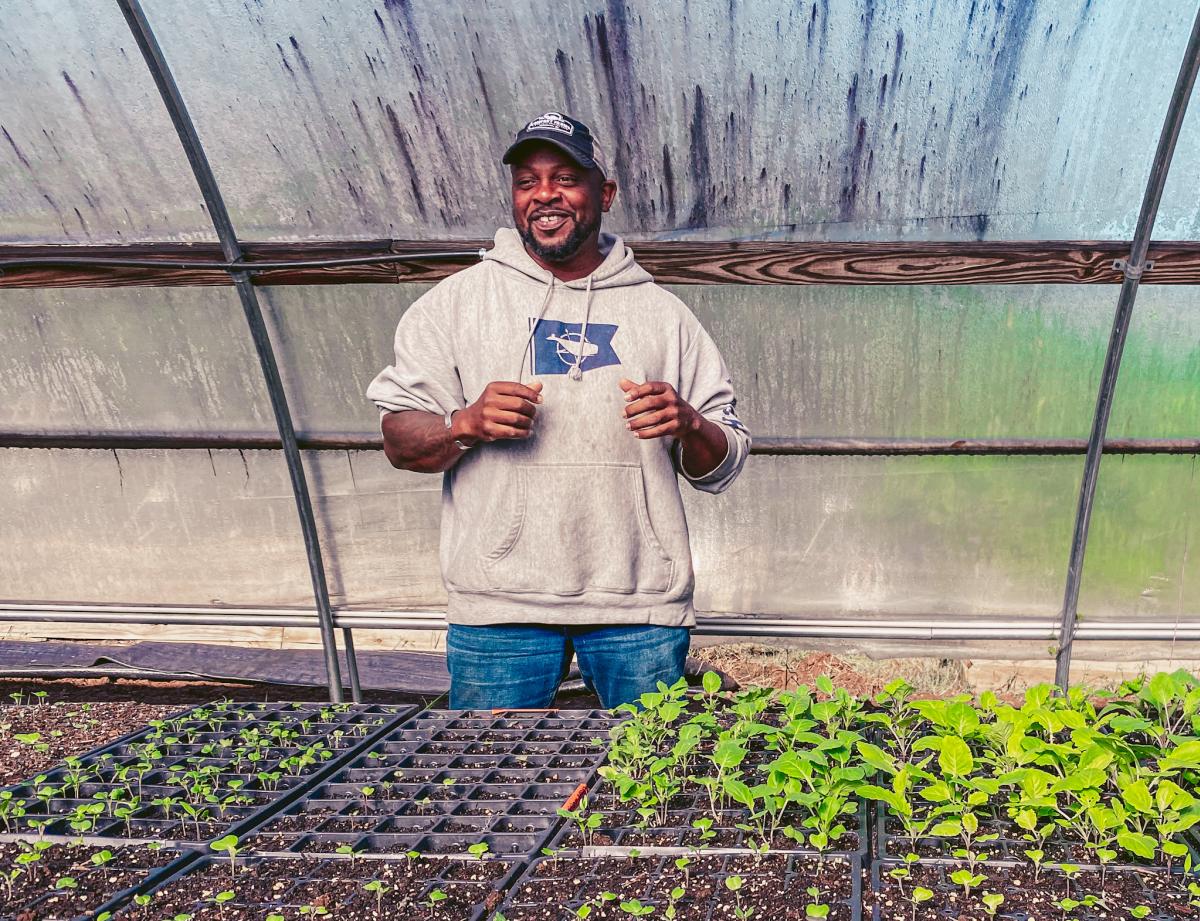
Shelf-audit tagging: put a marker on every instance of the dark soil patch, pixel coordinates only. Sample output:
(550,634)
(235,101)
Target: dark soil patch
(64,728)
(1030,896)
(287,885)
(774,887)
(64,882)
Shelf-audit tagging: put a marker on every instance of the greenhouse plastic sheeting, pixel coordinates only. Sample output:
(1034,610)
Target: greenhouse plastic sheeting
(781,120)
(87,152)
(923,535)
(769,120)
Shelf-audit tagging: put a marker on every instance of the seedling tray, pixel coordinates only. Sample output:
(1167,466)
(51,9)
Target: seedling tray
(555,888)
(619,830)
(1005,850)
(1028,898)
(64,881)
(198,751)
(499,779)
(297,887)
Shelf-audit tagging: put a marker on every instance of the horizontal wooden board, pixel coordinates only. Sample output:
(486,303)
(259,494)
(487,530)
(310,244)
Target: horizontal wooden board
(670,262)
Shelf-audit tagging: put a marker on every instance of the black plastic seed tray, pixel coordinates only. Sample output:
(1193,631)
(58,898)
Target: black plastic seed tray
(398,796)
(569,883)
(158,785)
(620,828)
(1057,848)
(412,889)
(513,818)
(96,875)
(1157,892)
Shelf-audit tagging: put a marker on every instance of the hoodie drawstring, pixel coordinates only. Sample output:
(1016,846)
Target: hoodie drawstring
(533,328)
(576,372)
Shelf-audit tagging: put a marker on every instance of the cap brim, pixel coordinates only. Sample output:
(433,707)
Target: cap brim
(583,160)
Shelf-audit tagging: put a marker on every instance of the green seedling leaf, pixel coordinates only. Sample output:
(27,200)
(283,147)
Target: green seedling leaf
(955,757)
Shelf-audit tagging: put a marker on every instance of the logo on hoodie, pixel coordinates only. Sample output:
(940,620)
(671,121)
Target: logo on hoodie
(558,346)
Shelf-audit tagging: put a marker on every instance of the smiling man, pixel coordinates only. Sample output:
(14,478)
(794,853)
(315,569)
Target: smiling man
(562,393)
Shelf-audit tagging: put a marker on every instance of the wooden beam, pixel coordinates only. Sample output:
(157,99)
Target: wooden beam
(670,262)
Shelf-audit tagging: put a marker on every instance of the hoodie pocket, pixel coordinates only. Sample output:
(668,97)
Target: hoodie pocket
(578,528)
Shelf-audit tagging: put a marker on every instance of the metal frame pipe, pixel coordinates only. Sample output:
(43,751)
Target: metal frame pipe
(238,265)
(173,101)
(1133,268)
(785,446)
(875,626)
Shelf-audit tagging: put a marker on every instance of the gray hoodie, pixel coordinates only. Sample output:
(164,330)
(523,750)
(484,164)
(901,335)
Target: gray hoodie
(582,523)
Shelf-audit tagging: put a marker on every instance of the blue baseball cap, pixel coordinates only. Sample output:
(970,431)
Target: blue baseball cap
(569,135)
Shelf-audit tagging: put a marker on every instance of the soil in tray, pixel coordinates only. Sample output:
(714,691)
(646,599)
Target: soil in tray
(619,826)
(63,729)
(64,882)
(774,888)
(1027,898)
(1057,848)
(294,888)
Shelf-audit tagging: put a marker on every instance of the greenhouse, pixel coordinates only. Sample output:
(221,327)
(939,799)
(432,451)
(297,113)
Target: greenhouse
(830,555)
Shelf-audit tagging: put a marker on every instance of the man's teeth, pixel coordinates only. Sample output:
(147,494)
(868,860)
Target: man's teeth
(549,220)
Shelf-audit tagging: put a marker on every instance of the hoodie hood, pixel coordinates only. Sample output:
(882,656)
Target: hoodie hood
(618,270)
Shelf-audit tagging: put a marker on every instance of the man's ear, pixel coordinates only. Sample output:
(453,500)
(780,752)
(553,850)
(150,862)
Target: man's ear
(608,192)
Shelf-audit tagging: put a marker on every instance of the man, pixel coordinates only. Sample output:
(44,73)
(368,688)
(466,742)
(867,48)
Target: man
(561,392)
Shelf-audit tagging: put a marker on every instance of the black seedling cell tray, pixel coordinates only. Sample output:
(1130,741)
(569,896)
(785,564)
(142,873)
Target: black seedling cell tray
(1004,850)
(619,829)
(771,888)
(132,789)
(31,890)
(1123,889)
(296,886)
(396,796)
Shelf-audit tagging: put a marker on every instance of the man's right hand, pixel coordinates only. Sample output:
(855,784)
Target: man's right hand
(505,409)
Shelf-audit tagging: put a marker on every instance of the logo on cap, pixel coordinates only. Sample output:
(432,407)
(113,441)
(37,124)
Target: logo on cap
(551,121)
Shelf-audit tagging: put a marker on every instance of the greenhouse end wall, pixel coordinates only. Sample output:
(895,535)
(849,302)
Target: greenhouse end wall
(794,536)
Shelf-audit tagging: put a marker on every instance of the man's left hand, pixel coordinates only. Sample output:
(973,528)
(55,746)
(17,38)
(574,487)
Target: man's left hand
(655,410)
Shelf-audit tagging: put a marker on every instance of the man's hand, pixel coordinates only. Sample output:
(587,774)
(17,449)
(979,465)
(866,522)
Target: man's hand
(655,410)
(505,409)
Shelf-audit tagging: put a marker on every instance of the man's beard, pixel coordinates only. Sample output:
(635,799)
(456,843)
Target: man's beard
(558,252)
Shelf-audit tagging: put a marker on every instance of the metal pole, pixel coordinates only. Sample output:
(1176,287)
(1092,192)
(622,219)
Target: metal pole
(1133,268)
(769,446)
(835,625)
(173,100)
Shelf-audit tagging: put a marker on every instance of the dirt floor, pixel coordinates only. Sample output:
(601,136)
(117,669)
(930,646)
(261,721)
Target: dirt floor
(37,733)
(786,668)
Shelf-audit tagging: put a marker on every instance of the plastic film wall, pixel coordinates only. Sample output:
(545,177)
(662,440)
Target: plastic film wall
(794,535)
(965,119)
(865,120)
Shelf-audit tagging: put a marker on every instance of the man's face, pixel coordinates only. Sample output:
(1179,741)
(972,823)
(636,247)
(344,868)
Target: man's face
(557,203)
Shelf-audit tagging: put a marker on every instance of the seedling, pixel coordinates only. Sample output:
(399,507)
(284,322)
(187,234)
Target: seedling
(919,895)
(434,897)
(586,822)
(734,884)
(673,898)
(635,909)
(992,902)
(228,844)
(478,850)
(377,886)
(816,909)
(967,880)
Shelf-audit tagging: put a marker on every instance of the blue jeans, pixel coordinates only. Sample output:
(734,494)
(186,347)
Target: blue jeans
(520,666)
